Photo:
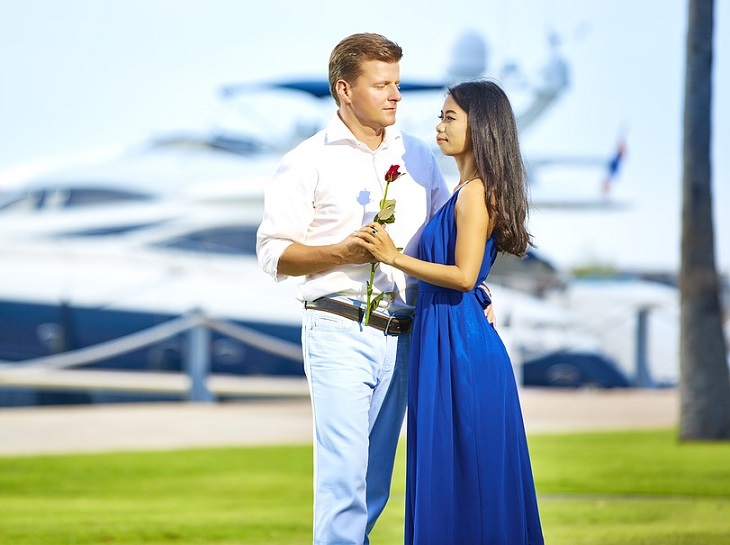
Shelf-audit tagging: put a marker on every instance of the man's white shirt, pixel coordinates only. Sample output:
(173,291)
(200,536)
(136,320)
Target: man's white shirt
(331,185)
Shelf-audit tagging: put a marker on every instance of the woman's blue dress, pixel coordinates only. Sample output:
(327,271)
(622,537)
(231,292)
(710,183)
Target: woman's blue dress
(469,480)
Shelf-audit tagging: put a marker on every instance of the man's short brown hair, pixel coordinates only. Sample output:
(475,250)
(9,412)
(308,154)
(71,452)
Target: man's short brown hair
(348,55)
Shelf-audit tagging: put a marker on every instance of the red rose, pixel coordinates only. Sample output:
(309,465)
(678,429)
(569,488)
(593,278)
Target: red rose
(385,215)
(393,173)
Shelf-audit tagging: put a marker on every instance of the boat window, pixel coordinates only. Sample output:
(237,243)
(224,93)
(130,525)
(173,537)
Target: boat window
(110,229)
(55,198)
(21,202)
(232,240)
(91,196)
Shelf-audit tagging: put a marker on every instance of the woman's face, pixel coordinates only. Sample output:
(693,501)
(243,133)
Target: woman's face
(452,133)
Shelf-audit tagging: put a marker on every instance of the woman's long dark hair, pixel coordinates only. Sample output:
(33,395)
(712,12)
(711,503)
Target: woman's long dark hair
(496,145)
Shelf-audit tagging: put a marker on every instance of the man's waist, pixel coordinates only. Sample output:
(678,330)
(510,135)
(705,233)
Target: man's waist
(392,322)
(354,292)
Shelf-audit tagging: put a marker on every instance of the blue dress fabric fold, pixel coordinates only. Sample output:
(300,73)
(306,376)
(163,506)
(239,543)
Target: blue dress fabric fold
(469,478)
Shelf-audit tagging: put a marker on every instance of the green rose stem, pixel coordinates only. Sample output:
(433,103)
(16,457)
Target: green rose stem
(385,215)
(368,310)
(385,194)
(370,292)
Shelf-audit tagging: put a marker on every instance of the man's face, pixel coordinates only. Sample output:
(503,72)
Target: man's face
(375,94)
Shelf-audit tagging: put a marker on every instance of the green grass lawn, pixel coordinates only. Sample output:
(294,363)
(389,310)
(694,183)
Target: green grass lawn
(638,488)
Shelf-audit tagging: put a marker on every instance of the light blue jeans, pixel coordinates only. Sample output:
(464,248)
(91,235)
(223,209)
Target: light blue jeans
(358,384)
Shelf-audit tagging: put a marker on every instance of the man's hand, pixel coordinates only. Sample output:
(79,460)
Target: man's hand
(377,241)
(356,251)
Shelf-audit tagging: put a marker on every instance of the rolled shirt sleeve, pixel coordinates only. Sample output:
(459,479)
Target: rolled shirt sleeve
(288,211)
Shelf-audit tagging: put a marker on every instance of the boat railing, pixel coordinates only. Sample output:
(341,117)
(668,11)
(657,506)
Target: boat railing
(197,382)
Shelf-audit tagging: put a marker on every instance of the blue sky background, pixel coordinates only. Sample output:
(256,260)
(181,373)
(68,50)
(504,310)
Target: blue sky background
(82,74)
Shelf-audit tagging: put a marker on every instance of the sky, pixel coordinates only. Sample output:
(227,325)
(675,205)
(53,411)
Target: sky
(86,74)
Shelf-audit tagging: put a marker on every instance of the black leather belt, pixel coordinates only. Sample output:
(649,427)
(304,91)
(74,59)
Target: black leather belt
(391,325)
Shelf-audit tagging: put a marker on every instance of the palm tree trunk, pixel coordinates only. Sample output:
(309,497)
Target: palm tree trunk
(704,377)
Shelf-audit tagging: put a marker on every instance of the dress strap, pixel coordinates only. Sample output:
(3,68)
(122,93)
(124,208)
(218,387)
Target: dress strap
(462,184)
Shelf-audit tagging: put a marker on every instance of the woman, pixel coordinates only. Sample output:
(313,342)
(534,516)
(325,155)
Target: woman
(469,479)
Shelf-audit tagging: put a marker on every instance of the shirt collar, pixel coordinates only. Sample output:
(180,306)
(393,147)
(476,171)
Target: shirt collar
(337,131)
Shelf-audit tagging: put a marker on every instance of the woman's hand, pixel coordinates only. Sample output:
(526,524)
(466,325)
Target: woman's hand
(377,241)
(489,310)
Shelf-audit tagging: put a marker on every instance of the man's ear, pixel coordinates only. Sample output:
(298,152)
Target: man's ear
(343,91)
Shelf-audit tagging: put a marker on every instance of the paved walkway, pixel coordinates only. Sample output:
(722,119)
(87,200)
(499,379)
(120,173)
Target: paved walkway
(99,428)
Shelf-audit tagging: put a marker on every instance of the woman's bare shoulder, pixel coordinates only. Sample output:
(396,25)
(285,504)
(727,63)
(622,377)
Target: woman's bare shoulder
(472,189)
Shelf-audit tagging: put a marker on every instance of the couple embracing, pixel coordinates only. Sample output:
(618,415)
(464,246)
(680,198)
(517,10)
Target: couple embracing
(393,266)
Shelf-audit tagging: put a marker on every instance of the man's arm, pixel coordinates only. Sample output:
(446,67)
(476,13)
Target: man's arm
(288,213)
(299,259)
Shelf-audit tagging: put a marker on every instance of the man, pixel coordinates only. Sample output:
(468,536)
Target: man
(323,191)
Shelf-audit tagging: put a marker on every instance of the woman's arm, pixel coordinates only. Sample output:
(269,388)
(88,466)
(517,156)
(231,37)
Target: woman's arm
(472,230)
